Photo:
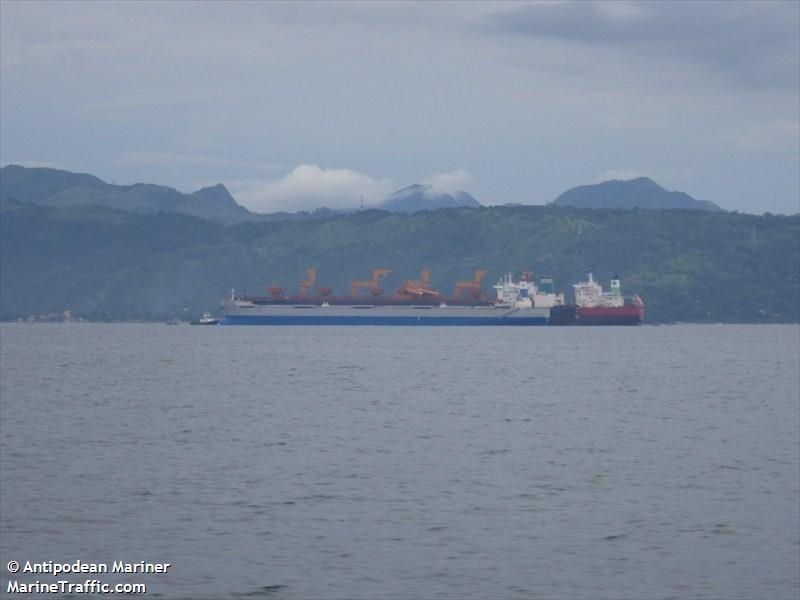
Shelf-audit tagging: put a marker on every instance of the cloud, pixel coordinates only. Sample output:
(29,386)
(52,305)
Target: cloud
(749,42)
(36,164)
(148,158)
(156,99)
(541,95)
(782,135)
(448,183)
(308,187)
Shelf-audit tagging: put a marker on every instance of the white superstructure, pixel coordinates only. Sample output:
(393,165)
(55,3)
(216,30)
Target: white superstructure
(590,294)
(525,294)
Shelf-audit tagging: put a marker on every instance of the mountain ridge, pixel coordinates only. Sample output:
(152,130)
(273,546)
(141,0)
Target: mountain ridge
(108,264)
(641,192)
(56,187)
(418,197)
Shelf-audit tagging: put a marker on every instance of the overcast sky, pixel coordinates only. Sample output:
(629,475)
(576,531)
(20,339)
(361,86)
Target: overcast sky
(300,105)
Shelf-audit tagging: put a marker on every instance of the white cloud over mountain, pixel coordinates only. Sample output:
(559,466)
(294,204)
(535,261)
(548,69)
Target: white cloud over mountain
(448,183)
(531,97)
(307,187)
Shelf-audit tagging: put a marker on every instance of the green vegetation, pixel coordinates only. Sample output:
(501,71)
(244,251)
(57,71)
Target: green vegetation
(106,264)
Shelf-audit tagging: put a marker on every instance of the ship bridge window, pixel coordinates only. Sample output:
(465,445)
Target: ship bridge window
(304,306)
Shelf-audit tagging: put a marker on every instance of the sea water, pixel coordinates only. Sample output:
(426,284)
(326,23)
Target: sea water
(564,463)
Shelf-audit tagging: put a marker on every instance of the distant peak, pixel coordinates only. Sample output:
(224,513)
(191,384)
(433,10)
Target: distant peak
(635,181)
(422,196)
(411,189)
(218,188)
(641,192)
(644,182)
(215,192)
(215,187)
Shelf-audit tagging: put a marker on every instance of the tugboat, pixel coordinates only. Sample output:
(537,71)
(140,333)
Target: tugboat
(206,319)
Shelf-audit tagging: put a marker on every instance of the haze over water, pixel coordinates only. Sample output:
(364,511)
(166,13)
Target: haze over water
(563,463)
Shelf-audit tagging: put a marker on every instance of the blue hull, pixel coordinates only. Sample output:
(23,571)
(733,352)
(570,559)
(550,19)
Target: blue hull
(377,320)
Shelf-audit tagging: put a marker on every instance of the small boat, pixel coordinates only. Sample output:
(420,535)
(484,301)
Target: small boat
(206,319)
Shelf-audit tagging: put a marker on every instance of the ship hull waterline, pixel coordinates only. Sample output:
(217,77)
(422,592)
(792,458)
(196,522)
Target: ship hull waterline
(381,321)
(622,315)
(385,316)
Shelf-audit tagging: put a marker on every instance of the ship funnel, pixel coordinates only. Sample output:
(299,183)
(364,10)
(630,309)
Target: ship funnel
(615,287)
(546,285)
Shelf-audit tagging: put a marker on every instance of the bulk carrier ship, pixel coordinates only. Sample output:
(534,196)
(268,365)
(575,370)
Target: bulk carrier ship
(414,303)
(521,302)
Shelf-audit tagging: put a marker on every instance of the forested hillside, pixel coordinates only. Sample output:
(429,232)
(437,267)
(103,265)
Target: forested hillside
(107,264)
(54,187)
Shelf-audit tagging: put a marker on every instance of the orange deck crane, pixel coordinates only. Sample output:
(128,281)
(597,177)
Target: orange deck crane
(372,285)
(411,288)
(473,286)
(307,283)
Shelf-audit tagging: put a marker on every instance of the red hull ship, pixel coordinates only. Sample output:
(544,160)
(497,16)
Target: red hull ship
(621,315)
(596,307)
